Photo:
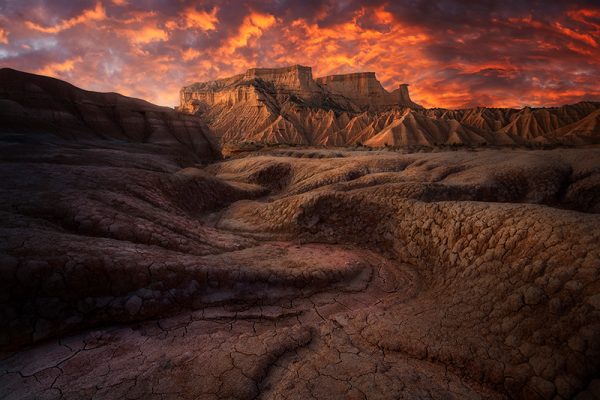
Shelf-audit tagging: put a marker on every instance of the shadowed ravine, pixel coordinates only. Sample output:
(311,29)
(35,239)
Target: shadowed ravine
(299,274)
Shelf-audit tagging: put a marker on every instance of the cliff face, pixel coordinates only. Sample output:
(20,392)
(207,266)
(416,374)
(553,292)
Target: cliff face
(366,91)
(296,78)
(350,92)
(251,87)
(286,105)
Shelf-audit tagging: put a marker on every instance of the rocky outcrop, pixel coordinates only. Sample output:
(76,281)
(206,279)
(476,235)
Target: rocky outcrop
(34,105)
(366,91)
(255,87)
(296,79)
(286,106)
(574,123)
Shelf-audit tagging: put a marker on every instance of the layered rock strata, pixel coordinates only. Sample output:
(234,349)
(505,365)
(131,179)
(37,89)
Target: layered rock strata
(366,91)
(56,110)
(287,106)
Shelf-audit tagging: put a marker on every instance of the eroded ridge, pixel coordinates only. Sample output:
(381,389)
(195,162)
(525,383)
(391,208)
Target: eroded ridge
(287,106)
(300,274)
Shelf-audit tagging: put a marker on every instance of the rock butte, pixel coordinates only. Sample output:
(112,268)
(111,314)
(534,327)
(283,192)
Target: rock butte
(136,264)
(288,106)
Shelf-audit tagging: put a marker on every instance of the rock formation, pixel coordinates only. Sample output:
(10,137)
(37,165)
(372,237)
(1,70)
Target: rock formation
(252,87)
(365,90)
(42,106)
(286,106)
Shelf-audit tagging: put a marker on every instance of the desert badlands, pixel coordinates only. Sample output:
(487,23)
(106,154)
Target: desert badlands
(284,236)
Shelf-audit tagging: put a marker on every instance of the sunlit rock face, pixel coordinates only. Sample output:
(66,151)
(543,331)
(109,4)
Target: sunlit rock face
(288,106)
(366,91)
(350,92)
(296,80)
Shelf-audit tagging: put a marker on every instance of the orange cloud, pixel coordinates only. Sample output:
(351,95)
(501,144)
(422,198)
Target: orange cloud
(205,21)
(383,16)
(135,17)
(586,16)
(393,51)
(190,54)
(253,26)
(96,14)
(3,36)
(145,35)
(56,69)
(542,56)
(588,39)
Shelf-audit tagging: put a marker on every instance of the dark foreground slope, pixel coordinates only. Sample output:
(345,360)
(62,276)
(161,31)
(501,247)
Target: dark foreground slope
(34,108)
(299,274)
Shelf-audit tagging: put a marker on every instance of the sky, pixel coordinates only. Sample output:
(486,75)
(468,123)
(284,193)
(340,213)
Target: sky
(454,54)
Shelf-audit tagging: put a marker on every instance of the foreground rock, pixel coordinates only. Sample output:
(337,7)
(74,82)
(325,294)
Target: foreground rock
(298,274)
(288,106)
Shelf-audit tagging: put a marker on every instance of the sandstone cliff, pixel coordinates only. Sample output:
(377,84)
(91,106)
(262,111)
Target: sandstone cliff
(252,87)
(286,105)
(366,91)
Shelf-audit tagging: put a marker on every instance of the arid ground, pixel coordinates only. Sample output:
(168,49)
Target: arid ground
(298,273)
(329,200)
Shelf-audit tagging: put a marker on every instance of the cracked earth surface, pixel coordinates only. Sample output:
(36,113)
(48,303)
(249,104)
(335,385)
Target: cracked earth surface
(299,274)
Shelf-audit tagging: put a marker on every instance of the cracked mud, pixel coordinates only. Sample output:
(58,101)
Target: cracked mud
(299,274)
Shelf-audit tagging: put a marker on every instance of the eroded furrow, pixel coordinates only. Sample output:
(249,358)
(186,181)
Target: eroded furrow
(363,276)
(236,336)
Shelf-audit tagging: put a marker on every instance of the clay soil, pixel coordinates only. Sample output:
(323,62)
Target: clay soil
(298,274)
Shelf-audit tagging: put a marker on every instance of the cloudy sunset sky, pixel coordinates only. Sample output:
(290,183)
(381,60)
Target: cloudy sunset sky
(453,54)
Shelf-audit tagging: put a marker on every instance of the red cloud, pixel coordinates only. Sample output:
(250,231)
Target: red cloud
(96,14)
(452,55)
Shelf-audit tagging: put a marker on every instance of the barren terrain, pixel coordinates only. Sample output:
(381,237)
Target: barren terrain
(287,106)
(299,273)
(136,263)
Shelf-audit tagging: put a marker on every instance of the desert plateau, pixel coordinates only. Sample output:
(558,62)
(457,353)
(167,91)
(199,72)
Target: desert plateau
(283,234)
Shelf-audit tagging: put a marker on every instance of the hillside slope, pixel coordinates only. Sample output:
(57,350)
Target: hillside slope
(286,105)
(33,104)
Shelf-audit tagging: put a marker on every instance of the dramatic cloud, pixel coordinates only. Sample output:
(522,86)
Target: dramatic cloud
(253,27)
(96,14)
(202,20)
(452,53)
(3,36)
(56,69)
